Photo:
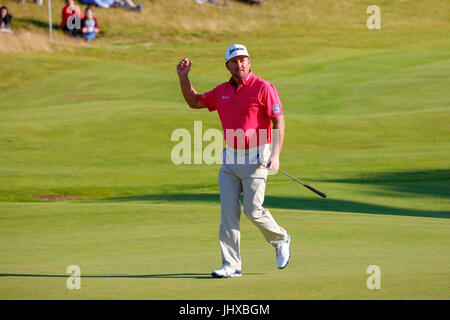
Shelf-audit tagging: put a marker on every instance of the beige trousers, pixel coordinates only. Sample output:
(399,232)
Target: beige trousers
(250,179)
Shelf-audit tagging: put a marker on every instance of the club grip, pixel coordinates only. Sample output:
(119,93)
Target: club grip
(323,195)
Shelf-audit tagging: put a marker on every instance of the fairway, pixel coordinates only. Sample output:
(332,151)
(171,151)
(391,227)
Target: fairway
(86,176)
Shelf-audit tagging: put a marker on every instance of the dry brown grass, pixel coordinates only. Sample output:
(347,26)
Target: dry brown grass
(24,42)
(165,21)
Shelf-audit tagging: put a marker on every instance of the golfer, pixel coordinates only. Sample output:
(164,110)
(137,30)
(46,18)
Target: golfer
(247,106)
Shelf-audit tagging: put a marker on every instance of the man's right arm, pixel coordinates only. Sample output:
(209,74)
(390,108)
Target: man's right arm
(190,95)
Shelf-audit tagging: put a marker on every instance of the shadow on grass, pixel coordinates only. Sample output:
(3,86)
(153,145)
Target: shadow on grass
(427,182)
(35,22)
(162,276)
(112,276)
(318,204)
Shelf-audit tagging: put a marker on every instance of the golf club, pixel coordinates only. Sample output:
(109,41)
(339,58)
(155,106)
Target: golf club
(323,195)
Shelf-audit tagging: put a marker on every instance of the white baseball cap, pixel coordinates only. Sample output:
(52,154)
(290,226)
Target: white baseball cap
(236,50)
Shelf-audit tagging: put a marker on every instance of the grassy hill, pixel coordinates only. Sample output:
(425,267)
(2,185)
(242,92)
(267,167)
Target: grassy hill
(86,175)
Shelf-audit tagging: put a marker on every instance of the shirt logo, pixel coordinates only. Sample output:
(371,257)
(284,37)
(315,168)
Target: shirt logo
(225,97)
(276,109)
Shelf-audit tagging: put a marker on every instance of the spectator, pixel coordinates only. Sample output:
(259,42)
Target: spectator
(72,27)
(90,25)
(39,2)
(5,20)
(99,3)
(213,2)
(127,4)
(252,2)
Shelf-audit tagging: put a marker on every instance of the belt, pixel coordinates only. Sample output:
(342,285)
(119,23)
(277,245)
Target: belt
(249,151)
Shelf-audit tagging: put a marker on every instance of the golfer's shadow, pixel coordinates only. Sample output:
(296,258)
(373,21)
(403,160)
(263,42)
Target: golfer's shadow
(119,276)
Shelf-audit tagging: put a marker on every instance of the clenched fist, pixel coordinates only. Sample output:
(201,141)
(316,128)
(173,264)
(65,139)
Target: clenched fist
(183,67)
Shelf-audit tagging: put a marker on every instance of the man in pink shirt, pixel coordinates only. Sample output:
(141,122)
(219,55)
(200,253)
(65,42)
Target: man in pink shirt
(247,106)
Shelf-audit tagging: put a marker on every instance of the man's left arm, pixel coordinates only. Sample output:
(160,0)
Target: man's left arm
(277,142)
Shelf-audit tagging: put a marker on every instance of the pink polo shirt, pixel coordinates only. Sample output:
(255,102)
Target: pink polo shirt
(245,113)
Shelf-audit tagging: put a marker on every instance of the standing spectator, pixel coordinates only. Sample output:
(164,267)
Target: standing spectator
(5,20)
(90,25)
(71,9)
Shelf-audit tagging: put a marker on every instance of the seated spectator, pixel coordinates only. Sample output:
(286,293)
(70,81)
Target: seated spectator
(256,2)
(99,3)
(127,4)
(213,2)
(72,27)
(90,25)
(39,2)
(5,20)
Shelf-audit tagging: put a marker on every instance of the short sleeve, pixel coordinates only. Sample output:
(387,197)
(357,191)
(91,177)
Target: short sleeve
(208,99)
(270,98)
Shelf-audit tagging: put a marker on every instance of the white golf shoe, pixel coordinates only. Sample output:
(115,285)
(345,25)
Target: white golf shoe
(226,272)
(283,254)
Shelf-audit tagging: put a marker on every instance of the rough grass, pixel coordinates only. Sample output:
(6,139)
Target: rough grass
(186,21)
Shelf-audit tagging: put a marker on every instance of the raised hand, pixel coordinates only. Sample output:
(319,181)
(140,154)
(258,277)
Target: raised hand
(183,67)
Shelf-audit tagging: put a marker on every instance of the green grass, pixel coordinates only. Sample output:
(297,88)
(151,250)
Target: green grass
(159,250)
(367,116)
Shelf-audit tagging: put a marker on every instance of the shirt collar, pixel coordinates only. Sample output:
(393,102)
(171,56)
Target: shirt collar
(244,80)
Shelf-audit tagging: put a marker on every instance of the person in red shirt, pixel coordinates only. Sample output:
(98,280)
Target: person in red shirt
(71,26)
(247,106)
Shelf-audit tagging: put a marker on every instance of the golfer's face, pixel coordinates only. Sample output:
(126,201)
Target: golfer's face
(239,66)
